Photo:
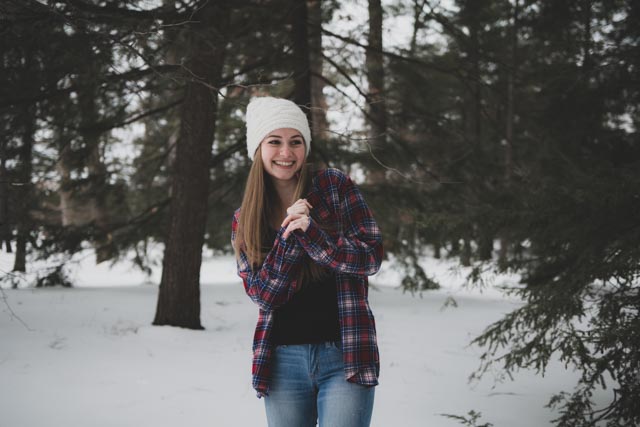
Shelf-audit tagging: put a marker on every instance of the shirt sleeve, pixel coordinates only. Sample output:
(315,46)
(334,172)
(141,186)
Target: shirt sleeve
(358,249)
(275,282)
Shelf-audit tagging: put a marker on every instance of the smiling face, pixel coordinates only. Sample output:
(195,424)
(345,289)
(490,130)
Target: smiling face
(283,153)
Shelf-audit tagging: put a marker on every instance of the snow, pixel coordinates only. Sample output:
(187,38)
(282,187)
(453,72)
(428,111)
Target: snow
(90,356)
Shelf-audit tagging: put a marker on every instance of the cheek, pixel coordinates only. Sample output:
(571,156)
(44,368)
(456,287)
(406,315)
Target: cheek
(266,152)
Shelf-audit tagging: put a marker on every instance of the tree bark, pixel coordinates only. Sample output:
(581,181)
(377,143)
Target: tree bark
(172,57)
(96,187)
(23,218)
(375,97)
(484,234)
(24,203)
(301,64)
(4,198)
(508,152)
(477,85)
(375,74)
(319,124)
(65,190)
(508,149)
(417,24)
(587,17)
(179,293)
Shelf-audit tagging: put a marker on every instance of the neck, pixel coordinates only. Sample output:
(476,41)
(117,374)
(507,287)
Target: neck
(285,191)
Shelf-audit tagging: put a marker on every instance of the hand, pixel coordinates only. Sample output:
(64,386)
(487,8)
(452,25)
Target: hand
(301,206)
(297,217)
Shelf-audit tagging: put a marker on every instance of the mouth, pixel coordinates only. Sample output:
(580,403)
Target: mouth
(283,164)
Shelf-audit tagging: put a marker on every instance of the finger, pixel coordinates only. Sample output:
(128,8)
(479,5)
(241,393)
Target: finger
(292,226)
(304,202)
(298,224)
(300,209)
(290,218)
(300,206)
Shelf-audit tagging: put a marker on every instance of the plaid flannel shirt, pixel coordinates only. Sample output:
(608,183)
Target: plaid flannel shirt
(353,251)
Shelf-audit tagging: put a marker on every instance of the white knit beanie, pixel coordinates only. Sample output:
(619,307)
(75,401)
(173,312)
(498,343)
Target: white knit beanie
(266,114)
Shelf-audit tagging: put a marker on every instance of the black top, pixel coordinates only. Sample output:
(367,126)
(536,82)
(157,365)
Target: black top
(311,316)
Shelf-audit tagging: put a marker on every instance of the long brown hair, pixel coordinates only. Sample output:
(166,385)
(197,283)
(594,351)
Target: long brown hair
(257,210)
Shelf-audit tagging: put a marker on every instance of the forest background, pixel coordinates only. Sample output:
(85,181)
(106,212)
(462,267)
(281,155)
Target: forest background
(501,133)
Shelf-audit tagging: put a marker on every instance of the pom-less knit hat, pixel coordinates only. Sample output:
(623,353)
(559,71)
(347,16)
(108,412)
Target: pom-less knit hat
(266,114)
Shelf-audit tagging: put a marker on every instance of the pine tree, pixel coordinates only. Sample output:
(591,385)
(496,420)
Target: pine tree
(179,295)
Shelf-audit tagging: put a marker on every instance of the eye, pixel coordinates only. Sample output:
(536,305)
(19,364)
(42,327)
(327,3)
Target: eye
(273,141)
(296,142)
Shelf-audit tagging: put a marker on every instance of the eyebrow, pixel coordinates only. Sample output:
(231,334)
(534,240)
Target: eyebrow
(278,136)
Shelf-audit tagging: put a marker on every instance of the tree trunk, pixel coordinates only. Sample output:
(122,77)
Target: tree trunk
(511,70)
(484,234)
(465,256)
(508,149)
(477,86)
(301,64)
(417,25)
(485,243)
(375,97)
(23,217)
(418,6)
(82,201)
(319,125)
(65,190)
(179,293)
(100,214)
(4,198)
(437,250)
(172,57)
(94,191)
(587,17)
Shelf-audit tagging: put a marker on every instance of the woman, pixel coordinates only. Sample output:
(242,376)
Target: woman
(305,243)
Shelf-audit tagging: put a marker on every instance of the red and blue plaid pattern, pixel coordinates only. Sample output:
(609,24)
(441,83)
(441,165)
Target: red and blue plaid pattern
(351,247)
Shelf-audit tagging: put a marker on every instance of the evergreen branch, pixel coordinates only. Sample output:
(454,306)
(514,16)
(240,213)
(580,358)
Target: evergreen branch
(345,74)
(14,11)
(114,14)
(157,207)
(105,126)
(228,81)
(461,37)
(130,75)
(392,55)
(17,184)
(457,72)
(405,176)
(391,132)
(226,153)
(471,420)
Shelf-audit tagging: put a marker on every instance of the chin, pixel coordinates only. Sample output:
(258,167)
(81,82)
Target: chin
(284,177)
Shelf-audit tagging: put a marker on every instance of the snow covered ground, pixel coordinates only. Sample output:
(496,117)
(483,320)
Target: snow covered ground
(88,356)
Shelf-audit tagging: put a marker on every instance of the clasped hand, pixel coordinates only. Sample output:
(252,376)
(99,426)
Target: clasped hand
(297,217)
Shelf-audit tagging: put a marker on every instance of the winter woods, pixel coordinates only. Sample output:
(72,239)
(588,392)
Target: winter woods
(503,134)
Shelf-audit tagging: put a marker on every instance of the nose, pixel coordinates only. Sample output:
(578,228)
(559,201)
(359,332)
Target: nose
(285,150)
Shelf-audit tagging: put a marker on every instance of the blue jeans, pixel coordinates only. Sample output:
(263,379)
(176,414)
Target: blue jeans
(308,385)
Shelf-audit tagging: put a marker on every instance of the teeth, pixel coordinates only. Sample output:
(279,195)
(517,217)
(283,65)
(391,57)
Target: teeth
(283,163)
